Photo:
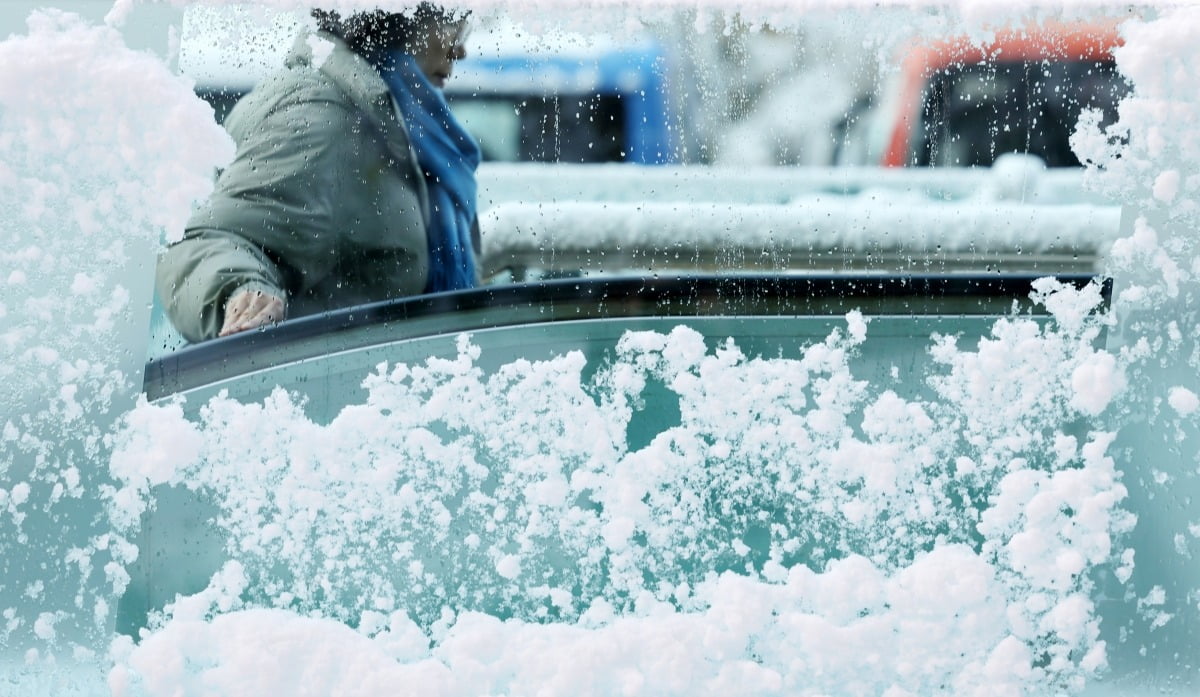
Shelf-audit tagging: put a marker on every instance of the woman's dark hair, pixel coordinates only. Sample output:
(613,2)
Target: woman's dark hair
(374,30)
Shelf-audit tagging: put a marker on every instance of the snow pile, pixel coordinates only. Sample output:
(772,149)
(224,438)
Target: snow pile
(101,151)
(799,630)
(787,523)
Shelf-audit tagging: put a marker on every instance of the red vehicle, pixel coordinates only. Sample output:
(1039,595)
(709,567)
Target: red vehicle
(964,103)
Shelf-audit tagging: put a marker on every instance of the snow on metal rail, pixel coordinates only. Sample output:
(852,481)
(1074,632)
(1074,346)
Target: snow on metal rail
(620,218)
(1013,178)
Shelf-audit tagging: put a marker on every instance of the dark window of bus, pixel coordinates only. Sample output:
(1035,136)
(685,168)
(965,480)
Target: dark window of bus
(974,113)
(561,128)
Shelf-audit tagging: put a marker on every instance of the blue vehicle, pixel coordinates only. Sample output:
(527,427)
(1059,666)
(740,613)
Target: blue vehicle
(609,106)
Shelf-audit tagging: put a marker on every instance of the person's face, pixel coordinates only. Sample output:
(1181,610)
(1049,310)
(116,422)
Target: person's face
(438,47)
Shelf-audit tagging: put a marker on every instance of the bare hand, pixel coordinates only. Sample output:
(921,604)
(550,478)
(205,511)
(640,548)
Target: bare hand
(249,309)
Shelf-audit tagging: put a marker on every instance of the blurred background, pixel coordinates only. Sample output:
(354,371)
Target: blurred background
(691,86)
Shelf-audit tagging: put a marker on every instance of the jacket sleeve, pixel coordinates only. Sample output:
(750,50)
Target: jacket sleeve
(269,224)
(198,275)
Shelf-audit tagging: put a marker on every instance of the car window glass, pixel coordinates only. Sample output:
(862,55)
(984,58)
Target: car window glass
(845,351)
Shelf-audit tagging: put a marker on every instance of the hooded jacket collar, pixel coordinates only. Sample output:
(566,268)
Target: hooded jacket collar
(359,81)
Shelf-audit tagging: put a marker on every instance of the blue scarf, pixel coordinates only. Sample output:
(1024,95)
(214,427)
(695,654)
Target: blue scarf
(448,156)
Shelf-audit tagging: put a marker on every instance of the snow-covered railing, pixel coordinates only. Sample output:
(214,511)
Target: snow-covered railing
(1014,178)
(880,232)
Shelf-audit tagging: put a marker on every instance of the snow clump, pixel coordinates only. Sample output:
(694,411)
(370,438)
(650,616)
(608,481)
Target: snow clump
(787,523)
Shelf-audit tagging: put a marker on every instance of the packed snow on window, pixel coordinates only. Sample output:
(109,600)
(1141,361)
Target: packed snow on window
(102,149)
(791,525)
(792,528)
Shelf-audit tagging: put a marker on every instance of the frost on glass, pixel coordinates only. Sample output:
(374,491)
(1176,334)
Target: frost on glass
(1144,161)
(1016,519)
(91,173)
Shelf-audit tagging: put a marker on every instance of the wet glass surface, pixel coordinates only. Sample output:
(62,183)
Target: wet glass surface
(758,355)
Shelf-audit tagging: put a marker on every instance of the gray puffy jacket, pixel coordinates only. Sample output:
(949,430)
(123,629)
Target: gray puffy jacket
(323,204)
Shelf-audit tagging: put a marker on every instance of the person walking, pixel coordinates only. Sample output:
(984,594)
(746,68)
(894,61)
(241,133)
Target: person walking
(352,182)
